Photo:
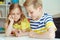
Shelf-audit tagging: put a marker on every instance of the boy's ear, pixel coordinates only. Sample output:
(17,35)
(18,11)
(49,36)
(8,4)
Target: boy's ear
(39,8)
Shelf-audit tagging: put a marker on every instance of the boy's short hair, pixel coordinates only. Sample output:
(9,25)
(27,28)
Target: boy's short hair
(35,3)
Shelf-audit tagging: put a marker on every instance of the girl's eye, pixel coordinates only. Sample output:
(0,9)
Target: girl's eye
(13,14)
(18,13)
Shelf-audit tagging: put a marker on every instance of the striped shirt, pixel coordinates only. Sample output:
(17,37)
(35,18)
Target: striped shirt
(41,22)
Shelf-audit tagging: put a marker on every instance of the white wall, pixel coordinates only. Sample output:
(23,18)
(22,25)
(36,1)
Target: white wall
(52,7)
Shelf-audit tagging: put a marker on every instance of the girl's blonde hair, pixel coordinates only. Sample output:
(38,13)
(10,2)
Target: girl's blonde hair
(12,6)
(35,3)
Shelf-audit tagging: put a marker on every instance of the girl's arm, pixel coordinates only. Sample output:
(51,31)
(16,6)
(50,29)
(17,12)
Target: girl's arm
(20,33)
(8,29)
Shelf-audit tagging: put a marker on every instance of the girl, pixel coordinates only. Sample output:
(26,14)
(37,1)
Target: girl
(17,24)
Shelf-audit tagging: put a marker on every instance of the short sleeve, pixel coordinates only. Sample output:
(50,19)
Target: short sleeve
(48,18)
(49,22)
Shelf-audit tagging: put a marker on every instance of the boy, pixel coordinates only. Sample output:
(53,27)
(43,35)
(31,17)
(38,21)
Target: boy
(42,24)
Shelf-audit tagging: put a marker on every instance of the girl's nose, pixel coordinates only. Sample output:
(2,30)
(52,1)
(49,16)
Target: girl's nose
(29,14)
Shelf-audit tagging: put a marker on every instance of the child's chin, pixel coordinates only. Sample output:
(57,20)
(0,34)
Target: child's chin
(15,20)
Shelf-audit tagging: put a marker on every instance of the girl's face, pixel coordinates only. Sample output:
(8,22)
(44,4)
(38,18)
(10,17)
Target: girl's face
(15,13)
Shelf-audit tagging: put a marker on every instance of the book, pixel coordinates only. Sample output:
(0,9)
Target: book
(1,1)
(0,13)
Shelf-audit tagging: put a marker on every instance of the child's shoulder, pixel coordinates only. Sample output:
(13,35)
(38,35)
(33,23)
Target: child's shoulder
(25,20)
(47,16)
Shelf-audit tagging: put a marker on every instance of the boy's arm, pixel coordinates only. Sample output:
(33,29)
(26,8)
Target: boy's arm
(51,26)
(51,29)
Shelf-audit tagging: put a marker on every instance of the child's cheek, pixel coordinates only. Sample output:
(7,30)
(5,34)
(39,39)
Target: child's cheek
(12,16)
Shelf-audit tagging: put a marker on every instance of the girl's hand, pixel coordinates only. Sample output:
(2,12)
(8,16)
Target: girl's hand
(18,33)
(11,18)
(23,30)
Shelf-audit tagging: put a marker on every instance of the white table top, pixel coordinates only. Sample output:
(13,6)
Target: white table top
(2,37)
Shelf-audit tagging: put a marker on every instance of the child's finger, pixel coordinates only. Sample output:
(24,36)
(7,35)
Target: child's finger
(9,17)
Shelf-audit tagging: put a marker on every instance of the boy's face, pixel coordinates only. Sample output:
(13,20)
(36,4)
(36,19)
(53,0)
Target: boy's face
(33,12)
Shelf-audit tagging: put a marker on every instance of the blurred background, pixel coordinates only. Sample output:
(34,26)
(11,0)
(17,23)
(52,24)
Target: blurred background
(50,6)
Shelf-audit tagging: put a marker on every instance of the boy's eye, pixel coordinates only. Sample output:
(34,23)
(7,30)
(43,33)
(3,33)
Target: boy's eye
(31,12)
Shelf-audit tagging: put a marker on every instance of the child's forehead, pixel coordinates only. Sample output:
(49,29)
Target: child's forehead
(31,8)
